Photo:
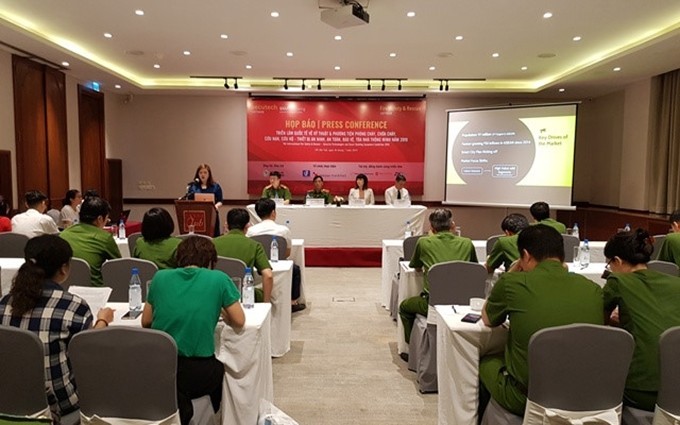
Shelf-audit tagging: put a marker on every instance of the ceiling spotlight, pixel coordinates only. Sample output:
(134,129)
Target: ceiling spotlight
(368,86)
(117,86)
(432,68)
(617,69)
(393,55)
(318,85)
(249,67)
(226,83)
(561,90)
(383,85)
(236,83)
(108,35)
(289,54)
(337,38)
(399,85)
(495,55)
(441,85)
(274,14)
(156,66)
(303,84)
(64,63)
(337,68)
(411,14)
(224,36)
(285,84)
(459,37)
(186,53)
(547,15)
(447,85)
(577,38)
(139,12)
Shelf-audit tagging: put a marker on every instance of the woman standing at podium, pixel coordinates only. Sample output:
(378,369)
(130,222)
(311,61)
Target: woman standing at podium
(204,183)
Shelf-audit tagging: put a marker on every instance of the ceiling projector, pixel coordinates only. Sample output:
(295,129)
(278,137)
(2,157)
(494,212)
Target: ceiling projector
(345,16)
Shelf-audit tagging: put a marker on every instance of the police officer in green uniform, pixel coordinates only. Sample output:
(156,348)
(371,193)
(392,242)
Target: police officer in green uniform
(504,251)
(540,211)
(319,192)
(275,189)
(670,249)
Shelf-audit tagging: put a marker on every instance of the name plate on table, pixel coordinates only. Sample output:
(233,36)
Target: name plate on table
(401,203)
(279,202)
(357,202)
(315,202)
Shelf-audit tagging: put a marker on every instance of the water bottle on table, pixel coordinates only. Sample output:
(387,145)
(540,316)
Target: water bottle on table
(248,289)
(409,231)
(574,230)
(121,229)
(135,292)
(584,258)
(274,250)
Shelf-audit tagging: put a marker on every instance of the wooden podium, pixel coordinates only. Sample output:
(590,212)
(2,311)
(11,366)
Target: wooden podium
(200,214)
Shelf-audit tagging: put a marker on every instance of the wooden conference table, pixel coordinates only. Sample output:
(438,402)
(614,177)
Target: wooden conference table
(247,364)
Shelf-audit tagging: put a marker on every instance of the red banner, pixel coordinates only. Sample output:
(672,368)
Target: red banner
(336,139)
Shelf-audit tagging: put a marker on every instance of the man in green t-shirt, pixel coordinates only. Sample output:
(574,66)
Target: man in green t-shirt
(670,249)
(540,211)
(504,251)
(235,244)
(440,247)
(275,189)
(319,192)
(538,293)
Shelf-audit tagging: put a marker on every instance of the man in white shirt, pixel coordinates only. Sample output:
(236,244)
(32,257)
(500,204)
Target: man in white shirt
(265,208)
(34,222)
(398,191)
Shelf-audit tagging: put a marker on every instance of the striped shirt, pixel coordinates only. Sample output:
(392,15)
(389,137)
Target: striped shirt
(55,319)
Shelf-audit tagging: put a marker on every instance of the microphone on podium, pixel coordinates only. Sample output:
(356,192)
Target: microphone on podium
(186,195)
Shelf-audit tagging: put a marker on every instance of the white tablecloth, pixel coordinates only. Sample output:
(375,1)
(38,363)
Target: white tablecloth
(360,227)
(8,268)
(123,247)
(459,348)
(281,312)
(246,358)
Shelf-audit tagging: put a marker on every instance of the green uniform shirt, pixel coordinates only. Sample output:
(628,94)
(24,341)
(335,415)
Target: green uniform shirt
(649,303)
(325,194)
(504,252)
(161,252)
(281,192)
(439,248)
(545,297)
(554,224)
(235,244)
(670,249)
(93,245)
(187,303)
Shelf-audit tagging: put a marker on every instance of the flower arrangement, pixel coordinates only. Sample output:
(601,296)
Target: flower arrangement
(337,200)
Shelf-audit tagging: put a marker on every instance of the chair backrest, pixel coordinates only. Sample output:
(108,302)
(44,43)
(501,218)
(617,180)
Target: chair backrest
(79,274)
(125,372)
(188,235)
(266,241)
(132,241)
(664,267)
(410,246)
(233,267)
(55,215)
(658,243)
(22,372)
(569,241)
(491,242)
(116,274)
(455,282)
(579,367)
(12,244)
(669,387)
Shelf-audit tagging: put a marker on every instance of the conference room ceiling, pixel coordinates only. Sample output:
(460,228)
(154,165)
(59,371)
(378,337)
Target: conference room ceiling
(536,55)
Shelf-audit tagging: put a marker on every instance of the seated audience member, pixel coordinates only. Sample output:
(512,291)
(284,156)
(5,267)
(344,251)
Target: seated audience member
(648,303)
(88,238)
(266,210)
(361,191)
(276,190)
(235,244)
(5,222)
(539,292)
(69,212)
(504,251)
(156,243)
(34,222)
(319,192)
(540,211)
(38,303)
(186,303)
(398,191)
(670,250)
(442,246)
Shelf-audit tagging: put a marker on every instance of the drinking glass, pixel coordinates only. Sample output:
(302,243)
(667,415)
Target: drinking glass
(577,254)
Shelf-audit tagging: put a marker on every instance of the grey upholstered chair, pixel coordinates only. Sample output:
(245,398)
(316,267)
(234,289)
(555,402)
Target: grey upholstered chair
(233,267)
(664,267)
(491,242)
(658,243)
(132,242)
(569,241)
(116,274)
(12,244)
(79,274)
(266,241)
(410,246)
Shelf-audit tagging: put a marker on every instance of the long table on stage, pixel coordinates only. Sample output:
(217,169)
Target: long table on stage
(346,235)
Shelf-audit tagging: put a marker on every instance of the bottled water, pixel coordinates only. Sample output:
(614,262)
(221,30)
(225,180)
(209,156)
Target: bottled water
(274,250)
(135,293)
(584,258)
(288,224)
(121,230)
(409,232)
(626,228)
(248,295)
(574,230)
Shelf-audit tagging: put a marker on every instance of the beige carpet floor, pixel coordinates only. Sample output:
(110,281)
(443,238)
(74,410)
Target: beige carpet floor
(343,366)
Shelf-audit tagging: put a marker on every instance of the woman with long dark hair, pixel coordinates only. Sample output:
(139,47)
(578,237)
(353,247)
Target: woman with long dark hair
(204,183)
(70,209)
(361,190)
(38,303)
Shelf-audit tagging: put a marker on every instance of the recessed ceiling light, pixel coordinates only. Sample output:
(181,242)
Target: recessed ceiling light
(108,35)
(117,86)
(338,37)
(432,68)
(577,38)
(274,14)
(459,37)
(289,54)
(337,68)
(224,36)
(495,55)
(561,90)
(393,55)
(64,63)
(186,53)
(524,68)
(156,66)
(547,15)
(139,12)
(249,67)
(411,14)
(617,69)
